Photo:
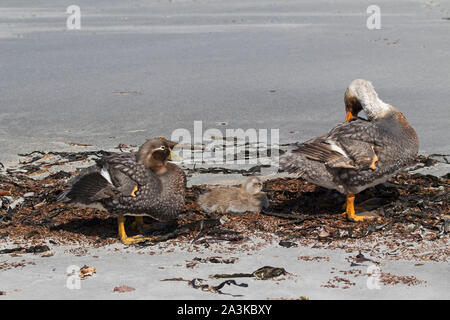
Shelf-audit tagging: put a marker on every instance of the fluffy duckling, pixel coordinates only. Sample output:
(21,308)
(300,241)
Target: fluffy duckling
(358,153)
(246,198)
(137,184)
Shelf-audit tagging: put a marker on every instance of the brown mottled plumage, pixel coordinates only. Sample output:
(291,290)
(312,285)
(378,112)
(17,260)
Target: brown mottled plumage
(246,198)
(137,184)
(359,153)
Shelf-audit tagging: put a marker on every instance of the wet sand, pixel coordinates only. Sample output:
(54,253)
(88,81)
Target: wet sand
(140,69)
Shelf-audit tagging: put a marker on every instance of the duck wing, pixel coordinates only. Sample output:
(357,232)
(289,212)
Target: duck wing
(349,145)
(89,186)
(124,172)
(113,179)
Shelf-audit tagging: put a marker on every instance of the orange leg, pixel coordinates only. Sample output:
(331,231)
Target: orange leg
(139,224)
(123,236)
(350,210)
(375,160)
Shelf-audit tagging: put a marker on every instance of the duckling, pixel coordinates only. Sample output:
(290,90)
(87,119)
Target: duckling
(132,184)
(358,153)
(246,198)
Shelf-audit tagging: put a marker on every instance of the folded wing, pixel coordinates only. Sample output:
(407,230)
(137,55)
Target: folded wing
(349,145)
(113,178)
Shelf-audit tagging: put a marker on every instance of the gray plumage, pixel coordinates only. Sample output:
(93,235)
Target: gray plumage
(342,158)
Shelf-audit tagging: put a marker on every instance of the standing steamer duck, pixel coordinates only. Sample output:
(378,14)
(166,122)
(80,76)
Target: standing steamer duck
(358,153)
(137,184)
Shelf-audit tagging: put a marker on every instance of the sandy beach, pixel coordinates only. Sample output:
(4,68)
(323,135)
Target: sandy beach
(139,69)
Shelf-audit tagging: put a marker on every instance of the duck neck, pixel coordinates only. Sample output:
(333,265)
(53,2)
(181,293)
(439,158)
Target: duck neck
(374,107)
(160,170)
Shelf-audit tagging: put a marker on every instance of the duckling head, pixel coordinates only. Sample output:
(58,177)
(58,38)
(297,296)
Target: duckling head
(361,95)
(252,185)
(154,154)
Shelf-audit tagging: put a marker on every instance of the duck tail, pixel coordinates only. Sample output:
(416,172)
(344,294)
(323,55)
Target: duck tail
(88,188)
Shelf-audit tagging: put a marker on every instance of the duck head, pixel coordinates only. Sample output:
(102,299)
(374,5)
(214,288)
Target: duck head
(154,154)
(361,95)
(252,185)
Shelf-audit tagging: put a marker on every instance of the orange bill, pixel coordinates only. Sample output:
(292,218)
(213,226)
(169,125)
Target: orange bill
(349,116)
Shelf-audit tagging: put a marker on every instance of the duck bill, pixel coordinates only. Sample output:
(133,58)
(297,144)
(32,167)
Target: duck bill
(174,156)
(349,116)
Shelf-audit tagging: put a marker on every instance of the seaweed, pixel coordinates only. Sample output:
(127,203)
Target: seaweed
(263,273)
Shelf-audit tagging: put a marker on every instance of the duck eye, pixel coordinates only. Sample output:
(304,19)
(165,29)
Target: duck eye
(163,147)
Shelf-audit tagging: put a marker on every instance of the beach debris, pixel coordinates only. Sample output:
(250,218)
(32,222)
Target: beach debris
(263,273)
(308,258)
(359,259)
(47,255)
(5,192)
(5,265)
(339,282)
(414,209)
(198,283)
(28,194)
(268,272)
(216,259)
(60,175)
(32,249)
(323,234)
(16,203)
(191,264)
(122,289)
(174,279)
(282,215)
(2,293)
(390,279)
(231,275)
(78,144)
(87,271)
(287,244)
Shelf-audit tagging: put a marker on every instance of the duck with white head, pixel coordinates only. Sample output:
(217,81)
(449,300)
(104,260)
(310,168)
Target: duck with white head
(359,153)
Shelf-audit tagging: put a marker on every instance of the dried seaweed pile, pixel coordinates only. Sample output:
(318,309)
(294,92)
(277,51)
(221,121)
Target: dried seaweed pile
(405,200)
(413,207)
